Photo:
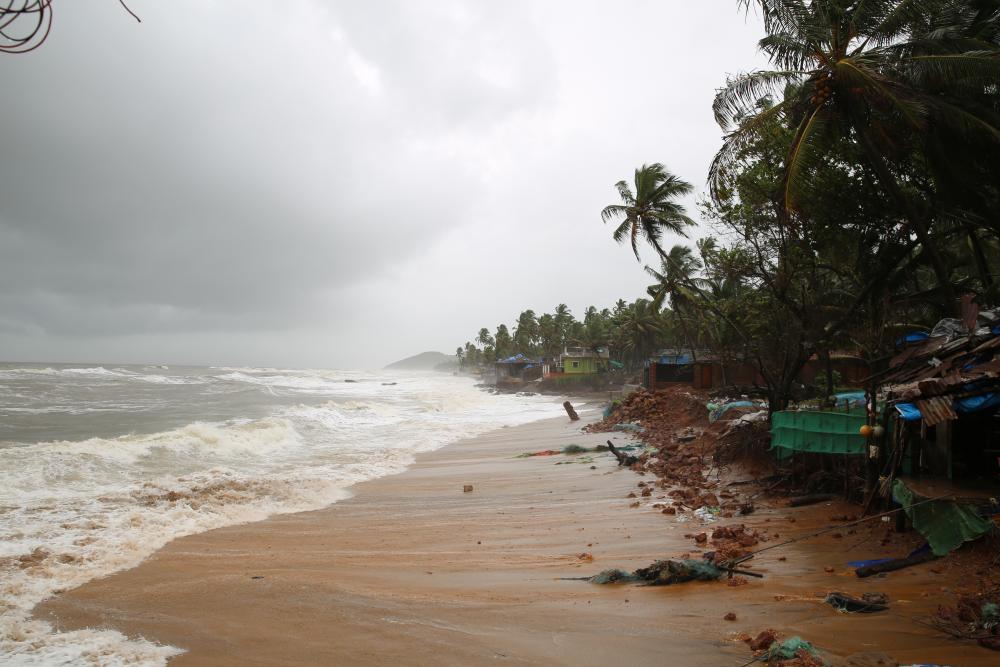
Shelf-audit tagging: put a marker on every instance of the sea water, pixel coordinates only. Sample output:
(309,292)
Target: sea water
(102,465)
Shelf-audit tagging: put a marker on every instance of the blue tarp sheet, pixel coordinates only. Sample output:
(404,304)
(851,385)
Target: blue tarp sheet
(986,401)
(675,359)
(909,412)
(912,337)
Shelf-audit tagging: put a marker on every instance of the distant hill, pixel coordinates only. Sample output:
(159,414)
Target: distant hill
(425,361)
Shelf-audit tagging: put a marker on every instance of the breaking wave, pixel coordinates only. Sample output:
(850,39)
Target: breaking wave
(75,510)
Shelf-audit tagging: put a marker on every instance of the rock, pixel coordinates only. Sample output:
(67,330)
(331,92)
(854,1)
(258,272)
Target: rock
(730,616)
(647,492)
(763,641)
(467,488)
(670,510)
(701,538)
(586,556)
(828,569)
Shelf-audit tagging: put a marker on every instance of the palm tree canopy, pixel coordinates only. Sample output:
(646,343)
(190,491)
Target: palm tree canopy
(651,209)
(877,72)
(678,269)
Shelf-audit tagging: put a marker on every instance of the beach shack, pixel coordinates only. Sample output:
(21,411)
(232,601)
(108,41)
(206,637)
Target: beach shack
(941,459)
(576,360)
(945,391)
(517,368)
(668,367)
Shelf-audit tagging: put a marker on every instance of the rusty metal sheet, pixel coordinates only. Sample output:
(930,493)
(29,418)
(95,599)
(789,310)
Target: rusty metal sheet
(936,410)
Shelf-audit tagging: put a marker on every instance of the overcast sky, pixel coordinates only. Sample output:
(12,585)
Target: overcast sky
(336,184)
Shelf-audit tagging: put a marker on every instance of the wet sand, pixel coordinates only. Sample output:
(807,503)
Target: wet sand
(414,571)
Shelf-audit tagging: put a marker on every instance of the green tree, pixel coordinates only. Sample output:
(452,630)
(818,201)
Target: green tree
(503,342)
(651,209)
(871,74)
(526,332)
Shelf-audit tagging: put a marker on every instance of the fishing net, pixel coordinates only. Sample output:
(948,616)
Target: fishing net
(662,573)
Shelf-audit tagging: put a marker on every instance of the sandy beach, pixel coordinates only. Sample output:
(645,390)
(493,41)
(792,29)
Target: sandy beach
(413,570)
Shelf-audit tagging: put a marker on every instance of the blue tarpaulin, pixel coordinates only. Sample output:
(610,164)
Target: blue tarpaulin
(909,412)
(675,359)
(912,337)
(986,401)
(517,358)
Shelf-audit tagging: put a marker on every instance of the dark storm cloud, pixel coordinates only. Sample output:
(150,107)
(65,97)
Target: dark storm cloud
(331,183)
(214,168)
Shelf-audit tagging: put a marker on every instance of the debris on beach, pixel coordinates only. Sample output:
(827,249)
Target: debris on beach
(974,617)
(868,603)
(791,652)
(467,488)
(662,573)
(571,412)
(544,452)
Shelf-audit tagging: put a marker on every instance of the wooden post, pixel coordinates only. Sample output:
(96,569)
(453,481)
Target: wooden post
(571,412)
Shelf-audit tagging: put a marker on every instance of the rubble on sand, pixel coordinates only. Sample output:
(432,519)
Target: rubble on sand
(973,617)
(680,446)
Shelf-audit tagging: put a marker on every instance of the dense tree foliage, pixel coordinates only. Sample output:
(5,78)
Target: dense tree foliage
(854,197)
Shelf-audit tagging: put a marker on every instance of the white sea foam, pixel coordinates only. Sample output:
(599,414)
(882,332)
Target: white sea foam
(73,510)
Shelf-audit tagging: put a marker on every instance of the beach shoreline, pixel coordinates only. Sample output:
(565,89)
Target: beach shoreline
(412,569)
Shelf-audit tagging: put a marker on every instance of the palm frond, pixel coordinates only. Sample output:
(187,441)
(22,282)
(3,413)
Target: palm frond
(804,154)
(742,96)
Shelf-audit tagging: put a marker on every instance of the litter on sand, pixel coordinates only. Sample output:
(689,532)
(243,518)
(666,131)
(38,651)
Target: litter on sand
(662,573)
(869,603)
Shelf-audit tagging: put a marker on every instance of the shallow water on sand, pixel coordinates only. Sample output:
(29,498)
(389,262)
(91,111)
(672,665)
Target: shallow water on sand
(102,465)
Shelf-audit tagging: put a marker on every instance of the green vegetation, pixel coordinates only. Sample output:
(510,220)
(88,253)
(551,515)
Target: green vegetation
(854,198)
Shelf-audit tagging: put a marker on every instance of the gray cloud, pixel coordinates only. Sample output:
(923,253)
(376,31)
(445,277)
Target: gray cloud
(322,184)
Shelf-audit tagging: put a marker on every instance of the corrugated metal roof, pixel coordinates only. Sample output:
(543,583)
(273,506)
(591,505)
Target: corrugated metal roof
(936,410)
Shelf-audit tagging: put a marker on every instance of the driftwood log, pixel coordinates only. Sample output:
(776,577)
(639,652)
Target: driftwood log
(896,564)
(571,412)
(623,458)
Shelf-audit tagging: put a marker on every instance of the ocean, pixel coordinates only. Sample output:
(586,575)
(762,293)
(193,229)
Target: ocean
(102,465)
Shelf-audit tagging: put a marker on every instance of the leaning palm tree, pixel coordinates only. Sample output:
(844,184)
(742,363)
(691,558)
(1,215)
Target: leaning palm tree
(651,209)
(679,269)
(869,73)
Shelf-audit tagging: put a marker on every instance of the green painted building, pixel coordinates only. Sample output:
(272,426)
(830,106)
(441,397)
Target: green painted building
(580,365)
(583,361)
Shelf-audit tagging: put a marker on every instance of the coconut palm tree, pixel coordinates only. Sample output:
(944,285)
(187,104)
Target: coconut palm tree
(679,269)
(484,338)
(502,341)
(871,73)
(651,209)
(639,330)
